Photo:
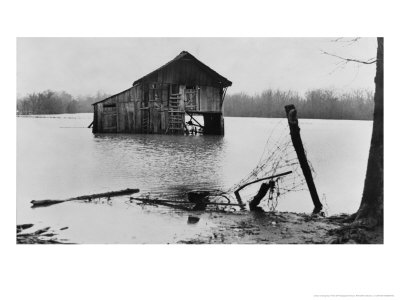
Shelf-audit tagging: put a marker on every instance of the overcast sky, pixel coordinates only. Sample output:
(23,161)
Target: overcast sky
(82,66)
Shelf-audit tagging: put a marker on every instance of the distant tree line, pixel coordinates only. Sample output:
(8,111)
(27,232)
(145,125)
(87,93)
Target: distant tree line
(51,102)
(315,104)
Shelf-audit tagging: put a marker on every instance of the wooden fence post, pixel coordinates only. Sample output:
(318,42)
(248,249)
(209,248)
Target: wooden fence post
(291,114)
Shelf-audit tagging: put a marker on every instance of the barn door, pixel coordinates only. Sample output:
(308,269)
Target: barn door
(110,118)
(191,98)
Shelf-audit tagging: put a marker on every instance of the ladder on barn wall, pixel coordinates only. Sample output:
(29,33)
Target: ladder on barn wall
(145,120)
(175,115)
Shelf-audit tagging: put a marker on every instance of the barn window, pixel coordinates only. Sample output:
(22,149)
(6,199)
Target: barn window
(110,107)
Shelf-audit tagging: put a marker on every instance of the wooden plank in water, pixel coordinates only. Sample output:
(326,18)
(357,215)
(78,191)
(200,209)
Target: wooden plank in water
(47,202)
(164,201)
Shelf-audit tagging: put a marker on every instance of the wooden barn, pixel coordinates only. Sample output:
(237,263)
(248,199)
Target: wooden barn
(159,101)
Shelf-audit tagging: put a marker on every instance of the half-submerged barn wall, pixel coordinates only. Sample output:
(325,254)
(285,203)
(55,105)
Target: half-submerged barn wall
(210,99)
(158,102)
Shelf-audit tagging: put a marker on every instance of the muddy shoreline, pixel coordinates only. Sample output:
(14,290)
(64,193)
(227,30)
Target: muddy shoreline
(287,228)
(251,228)
(44,235)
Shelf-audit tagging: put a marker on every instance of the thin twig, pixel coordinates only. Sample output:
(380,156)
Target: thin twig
(367,62)
(343,40)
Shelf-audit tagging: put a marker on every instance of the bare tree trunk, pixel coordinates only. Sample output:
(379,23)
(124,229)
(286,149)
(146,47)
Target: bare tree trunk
(371,207)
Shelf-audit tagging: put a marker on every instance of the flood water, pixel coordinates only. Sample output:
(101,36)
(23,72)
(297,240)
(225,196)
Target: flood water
(58,157)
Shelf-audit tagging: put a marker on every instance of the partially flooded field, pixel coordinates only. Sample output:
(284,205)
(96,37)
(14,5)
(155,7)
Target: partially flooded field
(59,158)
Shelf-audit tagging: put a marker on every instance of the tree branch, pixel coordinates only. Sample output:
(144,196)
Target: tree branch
(366,62)
(347,41)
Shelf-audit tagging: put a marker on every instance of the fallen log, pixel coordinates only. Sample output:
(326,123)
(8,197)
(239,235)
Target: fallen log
(169,203)
(181,204)
(48,202)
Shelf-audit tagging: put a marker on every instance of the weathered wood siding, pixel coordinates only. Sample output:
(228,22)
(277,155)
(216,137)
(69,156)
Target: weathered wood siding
(138,117)
(126,117)
(124,113)
(99,120)
(182,72)
(109,116)
(146,106)
(95,119)
(136,93)
(210,99)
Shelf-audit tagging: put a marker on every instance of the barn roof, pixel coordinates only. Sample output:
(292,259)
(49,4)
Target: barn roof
(185,58)
(184,64)
(111,96)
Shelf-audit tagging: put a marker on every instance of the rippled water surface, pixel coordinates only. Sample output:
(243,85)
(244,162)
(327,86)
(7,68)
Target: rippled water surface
(58,157)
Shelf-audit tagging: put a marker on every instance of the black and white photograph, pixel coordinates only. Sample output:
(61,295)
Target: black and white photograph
(199,150)
(173,140)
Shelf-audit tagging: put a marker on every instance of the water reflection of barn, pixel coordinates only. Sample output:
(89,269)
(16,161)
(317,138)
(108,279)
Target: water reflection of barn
(158,102)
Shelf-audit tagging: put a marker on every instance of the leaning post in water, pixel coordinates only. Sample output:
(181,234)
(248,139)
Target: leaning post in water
(291,114)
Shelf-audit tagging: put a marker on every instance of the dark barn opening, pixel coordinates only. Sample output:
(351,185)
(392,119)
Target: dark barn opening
(213,123)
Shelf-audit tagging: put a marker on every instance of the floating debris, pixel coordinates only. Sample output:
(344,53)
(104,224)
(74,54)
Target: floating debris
(193,220)
(108,195)
(23,227)
(40,236)
(197,201)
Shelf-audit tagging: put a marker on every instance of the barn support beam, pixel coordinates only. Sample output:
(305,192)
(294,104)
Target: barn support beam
(95,128)
(214,123)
